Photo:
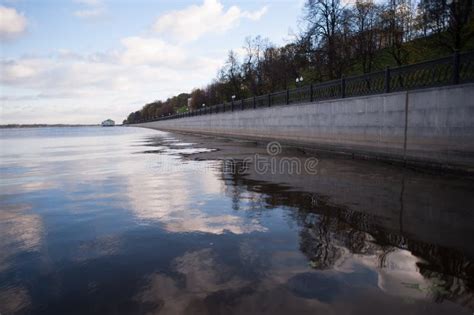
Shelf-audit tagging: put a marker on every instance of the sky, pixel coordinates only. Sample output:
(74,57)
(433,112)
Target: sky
(83,61)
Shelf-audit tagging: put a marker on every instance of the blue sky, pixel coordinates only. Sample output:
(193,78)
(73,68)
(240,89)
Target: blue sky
(82,61)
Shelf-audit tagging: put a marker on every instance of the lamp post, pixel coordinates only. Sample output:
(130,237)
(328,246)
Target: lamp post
(232,105)
(299,81)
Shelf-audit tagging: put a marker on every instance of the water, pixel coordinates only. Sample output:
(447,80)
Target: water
(135,221)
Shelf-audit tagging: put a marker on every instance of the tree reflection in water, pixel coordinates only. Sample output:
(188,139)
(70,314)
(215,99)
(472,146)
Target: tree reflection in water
(328,233)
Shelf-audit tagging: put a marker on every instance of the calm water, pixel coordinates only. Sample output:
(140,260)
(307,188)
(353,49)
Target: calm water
(134,221)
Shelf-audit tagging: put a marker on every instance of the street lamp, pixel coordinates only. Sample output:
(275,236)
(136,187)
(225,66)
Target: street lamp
(299,81)
(232,105)
(203,105)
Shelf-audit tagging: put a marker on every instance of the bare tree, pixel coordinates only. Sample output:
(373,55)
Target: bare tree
(398,28)
(251,68)
(366,28)
(324,21)
(231,74)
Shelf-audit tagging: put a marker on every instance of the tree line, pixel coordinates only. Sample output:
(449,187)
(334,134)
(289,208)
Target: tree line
(334,40)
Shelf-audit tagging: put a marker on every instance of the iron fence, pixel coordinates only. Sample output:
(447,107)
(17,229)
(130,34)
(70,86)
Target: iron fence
(455,69)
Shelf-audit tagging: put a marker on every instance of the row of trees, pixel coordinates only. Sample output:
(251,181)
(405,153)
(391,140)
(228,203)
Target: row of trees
(334,40)
(159,108)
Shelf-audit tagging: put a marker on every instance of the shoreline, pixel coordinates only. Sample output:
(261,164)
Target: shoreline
(19,126)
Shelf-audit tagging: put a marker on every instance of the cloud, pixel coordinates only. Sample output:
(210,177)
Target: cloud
(89,13)
(151,51)
(155,52)
(142,67)
(12,23)
(255,16)
(93,9)
(139,58)
(119,80)
(194,21)
(20,72)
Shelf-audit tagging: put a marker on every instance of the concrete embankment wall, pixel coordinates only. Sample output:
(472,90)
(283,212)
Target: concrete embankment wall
(430,127)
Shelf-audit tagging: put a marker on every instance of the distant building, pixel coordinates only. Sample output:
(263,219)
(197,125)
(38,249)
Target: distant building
(108,123)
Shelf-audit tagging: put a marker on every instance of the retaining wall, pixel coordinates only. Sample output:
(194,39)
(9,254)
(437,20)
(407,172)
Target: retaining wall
(432,126)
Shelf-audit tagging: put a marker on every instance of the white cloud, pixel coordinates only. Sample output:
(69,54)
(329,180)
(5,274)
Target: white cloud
(12,23)
(255,16)
(196,20)
(89,13)
(73,88)
(92,8)
(155,52)
(13,71)
(68,86)
(151,51)
(139,58)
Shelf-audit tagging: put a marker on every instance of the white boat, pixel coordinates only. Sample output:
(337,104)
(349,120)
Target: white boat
(108,123)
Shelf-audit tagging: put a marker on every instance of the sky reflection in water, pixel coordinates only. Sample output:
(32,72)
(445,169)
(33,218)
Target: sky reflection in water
(125,221)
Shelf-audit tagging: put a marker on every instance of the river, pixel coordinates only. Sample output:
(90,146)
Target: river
(135,221)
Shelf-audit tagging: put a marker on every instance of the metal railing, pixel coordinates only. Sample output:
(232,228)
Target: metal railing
(455,69)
